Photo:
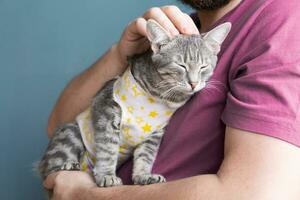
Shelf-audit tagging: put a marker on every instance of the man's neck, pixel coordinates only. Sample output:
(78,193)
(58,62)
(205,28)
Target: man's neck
(209,17)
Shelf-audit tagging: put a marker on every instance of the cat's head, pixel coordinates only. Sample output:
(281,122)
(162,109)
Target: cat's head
(184,62)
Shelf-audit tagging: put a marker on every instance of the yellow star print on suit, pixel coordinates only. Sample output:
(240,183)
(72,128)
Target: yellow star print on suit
(142,115)
(146,113)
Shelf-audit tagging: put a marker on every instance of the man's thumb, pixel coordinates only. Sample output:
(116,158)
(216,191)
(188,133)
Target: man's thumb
(50,181)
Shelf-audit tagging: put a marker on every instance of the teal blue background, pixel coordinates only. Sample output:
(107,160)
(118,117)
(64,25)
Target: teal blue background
(43,44)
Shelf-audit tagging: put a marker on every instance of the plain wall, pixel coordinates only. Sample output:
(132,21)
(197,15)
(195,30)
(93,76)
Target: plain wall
(43,44)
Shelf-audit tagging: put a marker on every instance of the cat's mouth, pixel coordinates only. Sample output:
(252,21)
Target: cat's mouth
(198,87)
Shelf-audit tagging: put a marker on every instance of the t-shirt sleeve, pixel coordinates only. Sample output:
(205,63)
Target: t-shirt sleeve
(264,80)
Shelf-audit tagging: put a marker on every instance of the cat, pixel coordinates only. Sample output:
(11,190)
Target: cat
(128,115)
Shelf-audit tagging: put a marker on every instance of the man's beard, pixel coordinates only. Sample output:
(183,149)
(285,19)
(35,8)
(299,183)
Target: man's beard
(205,4)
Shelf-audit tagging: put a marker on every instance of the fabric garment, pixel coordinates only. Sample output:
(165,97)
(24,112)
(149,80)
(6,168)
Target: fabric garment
(142,115)
(255,87)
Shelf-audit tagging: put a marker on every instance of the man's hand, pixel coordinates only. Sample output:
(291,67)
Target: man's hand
(69,185)
(133,39)
(78,94)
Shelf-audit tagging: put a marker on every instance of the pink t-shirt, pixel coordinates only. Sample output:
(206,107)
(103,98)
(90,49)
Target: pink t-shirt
(256,88)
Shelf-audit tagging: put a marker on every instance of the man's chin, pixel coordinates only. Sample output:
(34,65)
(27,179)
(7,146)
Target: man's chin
(206,4)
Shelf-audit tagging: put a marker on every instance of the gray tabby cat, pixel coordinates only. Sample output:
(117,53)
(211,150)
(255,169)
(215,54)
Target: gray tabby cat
(171,73)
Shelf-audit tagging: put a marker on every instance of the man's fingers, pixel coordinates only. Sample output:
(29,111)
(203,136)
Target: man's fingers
(50,181)
(192,24)
(183,23)
(158,15)
(134,38)
(172,19)
(169,17)
(136,29)
(141,24)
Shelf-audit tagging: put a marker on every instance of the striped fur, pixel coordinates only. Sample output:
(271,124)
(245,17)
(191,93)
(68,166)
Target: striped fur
(63,152)
(166,73)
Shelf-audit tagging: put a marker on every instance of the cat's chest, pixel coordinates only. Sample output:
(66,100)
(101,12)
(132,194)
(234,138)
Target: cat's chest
(142,114)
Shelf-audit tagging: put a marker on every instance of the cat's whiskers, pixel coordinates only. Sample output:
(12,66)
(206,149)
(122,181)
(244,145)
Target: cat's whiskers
(170,95)
(163,83)
(168,92)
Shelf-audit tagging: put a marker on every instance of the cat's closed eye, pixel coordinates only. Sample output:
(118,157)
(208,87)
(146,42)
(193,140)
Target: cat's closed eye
(181,65)
(203,67)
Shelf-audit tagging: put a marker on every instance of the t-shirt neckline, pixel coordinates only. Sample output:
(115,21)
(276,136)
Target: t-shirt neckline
(223,18)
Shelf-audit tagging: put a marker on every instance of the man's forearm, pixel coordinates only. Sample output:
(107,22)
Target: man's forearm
(78,93)
(204,187)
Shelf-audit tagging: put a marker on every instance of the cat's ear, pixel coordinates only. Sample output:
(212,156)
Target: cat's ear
(216,37)
(157,35)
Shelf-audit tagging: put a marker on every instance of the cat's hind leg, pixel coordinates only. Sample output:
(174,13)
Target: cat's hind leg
(63,152)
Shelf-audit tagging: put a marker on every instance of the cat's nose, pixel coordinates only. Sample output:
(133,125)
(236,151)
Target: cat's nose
(193,84)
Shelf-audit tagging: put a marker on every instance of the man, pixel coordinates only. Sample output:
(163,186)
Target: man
(238,141)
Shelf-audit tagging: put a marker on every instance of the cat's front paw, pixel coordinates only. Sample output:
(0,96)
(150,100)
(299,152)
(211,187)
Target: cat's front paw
(108,180)
(147,179)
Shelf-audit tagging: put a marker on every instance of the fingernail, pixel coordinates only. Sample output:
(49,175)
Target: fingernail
(186,30)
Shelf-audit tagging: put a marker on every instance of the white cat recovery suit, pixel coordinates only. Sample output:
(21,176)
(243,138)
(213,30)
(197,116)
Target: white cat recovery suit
(142,114)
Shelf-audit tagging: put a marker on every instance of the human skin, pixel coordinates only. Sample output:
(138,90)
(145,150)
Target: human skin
(79,92)
(269,172)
